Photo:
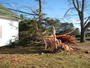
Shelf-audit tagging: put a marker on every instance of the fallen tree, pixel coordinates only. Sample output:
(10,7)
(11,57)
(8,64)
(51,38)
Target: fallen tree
(58,42)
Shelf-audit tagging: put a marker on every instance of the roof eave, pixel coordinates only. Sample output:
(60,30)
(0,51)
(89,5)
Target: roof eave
(10,18)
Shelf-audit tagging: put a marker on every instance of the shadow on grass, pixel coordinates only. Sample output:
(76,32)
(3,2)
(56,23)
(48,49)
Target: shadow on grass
(23,50)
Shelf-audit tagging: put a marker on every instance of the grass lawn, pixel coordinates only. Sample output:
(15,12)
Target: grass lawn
(88,37)
(37,57)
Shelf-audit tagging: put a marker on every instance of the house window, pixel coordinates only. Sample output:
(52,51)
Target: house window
(0,31)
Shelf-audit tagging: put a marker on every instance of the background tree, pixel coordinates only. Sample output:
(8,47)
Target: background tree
(27,31)
(50,22)
(65,28)
(79,6)
(76,32)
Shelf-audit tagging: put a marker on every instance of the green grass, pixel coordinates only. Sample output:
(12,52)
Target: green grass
(88,38)
(31,57)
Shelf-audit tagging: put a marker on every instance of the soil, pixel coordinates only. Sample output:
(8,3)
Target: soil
(83,46)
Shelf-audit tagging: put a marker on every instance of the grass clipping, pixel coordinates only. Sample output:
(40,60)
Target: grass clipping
(58,42)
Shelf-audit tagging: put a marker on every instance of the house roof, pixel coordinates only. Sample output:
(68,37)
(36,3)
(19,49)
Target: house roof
(6,13)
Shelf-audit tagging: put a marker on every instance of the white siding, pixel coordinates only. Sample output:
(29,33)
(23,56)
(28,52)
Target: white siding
(9,31)
(0,32)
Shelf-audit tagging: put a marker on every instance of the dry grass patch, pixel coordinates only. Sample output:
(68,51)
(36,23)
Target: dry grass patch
(32,57)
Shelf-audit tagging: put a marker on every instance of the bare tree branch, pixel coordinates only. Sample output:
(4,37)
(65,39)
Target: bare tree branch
(83,4)
(67,12)
(75,5)
(32,10)
(87,20)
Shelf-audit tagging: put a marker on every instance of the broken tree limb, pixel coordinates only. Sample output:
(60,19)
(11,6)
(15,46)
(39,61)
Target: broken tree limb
(55,42)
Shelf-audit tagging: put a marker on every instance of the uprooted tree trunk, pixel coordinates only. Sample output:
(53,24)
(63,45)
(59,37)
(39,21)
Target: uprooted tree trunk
(58,42)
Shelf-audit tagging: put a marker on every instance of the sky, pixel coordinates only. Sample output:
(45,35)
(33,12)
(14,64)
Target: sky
(52,8)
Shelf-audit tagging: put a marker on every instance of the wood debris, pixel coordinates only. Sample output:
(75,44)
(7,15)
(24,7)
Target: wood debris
(55,42)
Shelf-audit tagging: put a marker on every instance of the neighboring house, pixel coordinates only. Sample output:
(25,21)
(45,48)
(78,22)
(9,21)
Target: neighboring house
(9,27)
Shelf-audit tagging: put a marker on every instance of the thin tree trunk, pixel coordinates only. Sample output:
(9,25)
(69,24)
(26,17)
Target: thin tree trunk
(40,14)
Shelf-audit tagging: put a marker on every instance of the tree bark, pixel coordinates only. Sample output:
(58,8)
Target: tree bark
(82,34)
(40,14)
(81,17)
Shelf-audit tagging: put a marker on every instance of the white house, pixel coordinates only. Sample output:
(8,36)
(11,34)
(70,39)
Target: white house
(9,27)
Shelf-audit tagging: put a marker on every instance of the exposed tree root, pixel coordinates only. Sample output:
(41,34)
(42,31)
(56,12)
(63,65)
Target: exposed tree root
(58,42)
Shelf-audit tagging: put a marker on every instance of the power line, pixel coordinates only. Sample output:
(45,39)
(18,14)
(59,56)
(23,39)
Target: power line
(22,11)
